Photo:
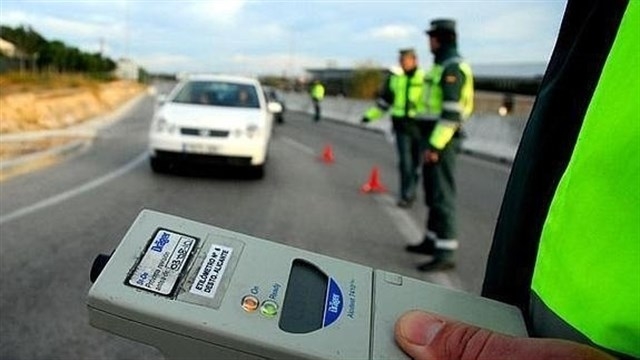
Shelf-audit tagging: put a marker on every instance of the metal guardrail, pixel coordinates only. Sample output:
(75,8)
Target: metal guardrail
(488,135)
(508,84)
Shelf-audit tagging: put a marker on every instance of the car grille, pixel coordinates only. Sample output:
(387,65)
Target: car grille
(204,159)
(204,132)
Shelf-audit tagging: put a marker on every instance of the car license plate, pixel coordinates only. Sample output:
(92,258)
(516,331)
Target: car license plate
(200,148)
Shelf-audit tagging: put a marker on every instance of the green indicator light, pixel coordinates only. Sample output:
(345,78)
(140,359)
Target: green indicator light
(269,309)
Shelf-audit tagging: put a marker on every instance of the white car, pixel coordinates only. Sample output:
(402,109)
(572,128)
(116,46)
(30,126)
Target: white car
(213,120)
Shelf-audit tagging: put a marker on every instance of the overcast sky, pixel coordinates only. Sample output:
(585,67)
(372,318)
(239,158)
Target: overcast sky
(285,37)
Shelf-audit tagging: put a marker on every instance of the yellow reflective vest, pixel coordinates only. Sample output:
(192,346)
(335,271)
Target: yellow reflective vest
(450,114)
(566,248)
(407,100)
(317,92)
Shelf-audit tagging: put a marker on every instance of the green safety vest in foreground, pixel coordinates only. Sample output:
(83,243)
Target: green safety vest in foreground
(588,260)
(446,128)
(405,89)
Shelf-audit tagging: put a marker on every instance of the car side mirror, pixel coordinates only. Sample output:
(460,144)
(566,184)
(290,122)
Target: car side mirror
(274,107)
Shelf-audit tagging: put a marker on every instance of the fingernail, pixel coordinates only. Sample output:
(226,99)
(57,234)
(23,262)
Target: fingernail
(420,328)
(432,331)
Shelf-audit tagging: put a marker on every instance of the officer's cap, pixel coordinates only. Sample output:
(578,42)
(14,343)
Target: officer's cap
(408,51)
(441,25)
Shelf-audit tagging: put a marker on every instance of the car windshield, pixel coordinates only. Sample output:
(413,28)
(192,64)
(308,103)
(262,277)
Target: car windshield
(218,93)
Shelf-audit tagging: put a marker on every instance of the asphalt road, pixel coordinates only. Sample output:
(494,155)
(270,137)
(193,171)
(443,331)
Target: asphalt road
(53,222)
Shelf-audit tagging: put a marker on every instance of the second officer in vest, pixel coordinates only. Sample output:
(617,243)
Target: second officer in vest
(449,104)
(403,95)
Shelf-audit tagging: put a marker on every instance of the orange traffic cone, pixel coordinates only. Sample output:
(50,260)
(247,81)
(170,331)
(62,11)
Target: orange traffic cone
(374,184)
(327,155)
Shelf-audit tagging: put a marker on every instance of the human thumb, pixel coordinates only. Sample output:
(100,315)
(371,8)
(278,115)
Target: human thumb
(427,336)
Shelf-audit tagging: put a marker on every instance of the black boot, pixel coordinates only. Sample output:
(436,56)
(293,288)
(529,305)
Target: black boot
(442,260)
(406,202)
(426,247)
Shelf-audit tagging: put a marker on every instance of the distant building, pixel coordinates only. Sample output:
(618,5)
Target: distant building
(11,57)
(7,48)
(126,69)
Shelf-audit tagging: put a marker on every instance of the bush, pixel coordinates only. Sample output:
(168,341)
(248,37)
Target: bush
(366,82)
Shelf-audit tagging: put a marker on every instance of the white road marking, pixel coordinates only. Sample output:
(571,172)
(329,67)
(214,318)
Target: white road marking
(54,200)
(405,225)
(413,235)
(297,145)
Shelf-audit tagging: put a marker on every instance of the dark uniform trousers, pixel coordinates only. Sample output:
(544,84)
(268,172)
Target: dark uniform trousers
(410,144)
(316,109)
(440,191)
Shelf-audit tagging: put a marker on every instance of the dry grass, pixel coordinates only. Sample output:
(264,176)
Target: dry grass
(32,102)
(15,82)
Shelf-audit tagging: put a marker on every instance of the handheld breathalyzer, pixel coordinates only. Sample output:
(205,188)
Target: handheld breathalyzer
(197,291)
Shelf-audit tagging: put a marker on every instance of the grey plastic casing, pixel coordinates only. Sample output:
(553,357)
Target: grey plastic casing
(184,324)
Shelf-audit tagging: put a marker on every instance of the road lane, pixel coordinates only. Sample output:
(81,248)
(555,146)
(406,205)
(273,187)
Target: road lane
(46,254)
(55,200)
(112,147)
(481,186)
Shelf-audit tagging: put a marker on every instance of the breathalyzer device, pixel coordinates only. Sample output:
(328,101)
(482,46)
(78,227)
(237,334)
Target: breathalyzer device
(197,291)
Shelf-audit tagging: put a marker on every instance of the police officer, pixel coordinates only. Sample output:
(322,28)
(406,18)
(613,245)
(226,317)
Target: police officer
(566,249)
(403,95)
(449,104)
(317,94)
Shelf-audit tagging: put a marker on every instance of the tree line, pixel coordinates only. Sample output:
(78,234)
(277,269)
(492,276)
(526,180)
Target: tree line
(35,52)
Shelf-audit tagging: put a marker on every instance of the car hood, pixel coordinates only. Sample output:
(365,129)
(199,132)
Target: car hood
(199,116)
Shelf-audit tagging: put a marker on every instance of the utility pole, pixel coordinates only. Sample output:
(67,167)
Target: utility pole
(126,30)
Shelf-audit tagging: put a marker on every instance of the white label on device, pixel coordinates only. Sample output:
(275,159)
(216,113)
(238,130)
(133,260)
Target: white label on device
(211,271)
(162,263)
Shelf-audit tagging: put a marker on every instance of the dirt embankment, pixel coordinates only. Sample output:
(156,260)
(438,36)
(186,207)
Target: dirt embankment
(60,108)
(28,108)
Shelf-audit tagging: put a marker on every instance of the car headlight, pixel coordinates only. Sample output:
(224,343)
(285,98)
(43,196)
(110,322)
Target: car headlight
(162,125)
(251,131)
